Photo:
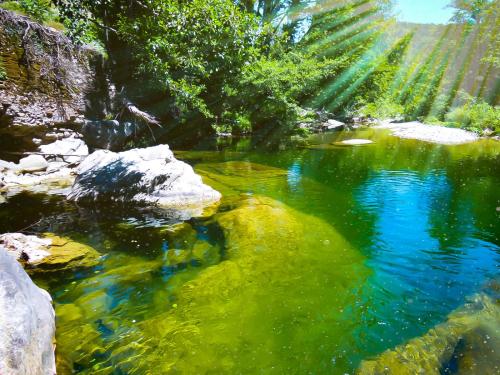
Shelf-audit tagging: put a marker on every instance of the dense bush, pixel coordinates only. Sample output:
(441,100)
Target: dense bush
(195,52)
(271,90)
(475,115)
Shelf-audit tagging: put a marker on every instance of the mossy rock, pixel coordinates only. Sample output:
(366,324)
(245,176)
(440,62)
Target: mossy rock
(66,254)
(226,308)
(466,339)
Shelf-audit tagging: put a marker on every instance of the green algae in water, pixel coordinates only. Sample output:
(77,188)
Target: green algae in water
(318,259)
(250,304)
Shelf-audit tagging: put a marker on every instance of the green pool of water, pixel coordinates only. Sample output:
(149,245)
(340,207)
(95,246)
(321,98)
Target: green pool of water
(319,257)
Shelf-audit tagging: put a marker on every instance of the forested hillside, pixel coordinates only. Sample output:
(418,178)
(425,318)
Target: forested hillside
(245,66)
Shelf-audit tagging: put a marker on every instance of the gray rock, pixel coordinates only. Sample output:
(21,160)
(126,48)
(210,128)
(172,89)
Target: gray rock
(50,253)
(109,134)
(57,182)
(56,166)
(69,150)
(7,165)
(148,176)
(27,323)
(33,163)
(32,249)
(333,125)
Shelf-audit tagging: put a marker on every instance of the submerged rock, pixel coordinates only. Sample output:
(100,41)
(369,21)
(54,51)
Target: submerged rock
(429,133)
(27,323)
(454,343)
(234,177)
(50,253)
(254,298)
(150,176)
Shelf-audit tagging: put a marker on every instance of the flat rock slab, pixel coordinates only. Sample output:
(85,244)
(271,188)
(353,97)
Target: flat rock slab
(354,142)
(430,133)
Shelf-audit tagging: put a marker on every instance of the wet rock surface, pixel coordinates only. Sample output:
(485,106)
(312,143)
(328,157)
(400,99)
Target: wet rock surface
(27,323)
(462,343)
(49,253)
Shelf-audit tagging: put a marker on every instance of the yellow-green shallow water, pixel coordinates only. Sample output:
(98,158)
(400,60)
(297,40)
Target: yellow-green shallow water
(318,258)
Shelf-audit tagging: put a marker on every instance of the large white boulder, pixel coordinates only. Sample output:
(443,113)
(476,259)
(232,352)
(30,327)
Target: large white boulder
(147,176)
(27,323)
(69,150)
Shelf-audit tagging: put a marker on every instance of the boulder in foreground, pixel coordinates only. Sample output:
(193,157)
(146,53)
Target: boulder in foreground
(27,324)
(149,176)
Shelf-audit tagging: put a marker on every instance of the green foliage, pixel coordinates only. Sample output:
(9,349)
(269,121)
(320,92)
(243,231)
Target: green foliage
(273,88)
(382,109)
(475,115)
(471,11)
(243,65)
(41,11)
(3,72)
(13,6)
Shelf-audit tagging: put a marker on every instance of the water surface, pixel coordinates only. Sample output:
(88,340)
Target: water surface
(384,241)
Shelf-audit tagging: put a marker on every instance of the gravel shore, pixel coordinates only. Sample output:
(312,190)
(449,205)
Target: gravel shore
(429,133)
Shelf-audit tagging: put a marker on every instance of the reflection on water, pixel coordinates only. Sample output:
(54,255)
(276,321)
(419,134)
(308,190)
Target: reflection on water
(370,247)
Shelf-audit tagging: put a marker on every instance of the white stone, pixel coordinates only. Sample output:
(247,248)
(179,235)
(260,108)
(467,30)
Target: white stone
(69,150)
(56,166)
(7,165)
(33,163)
(27,323)
(356,142)
(148,176)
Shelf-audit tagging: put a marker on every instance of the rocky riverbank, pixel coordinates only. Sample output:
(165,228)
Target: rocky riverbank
(48,81)
(148,177)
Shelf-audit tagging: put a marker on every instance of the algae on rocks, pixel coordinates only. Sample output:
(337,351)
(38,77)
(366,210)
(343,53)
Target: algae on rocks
(49,253)
(469,336)
(252,298)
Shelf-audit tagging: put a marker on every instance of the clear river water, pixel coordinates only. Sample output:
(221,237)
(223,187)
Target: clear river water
(318,257)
